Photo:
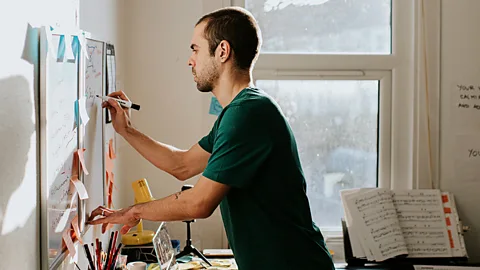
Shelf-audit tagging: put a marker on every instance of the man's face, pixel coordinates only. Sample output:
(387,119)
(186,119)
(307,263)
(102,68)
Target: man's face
(204,67)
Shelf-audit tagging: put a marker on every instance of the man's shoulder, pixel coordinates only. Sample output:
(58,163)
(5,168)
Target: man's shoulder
(252,101)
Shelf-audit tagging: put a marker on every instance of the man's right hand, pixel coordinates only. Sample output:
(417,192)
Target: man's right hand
(120,116)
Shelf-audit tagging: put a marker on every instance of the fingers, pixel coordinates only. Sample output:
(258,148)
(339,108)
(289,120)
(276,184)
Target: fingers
(104,220)
(100,211)
(125,229)
(114,105)
(105,104)
(119,94)
(104,227)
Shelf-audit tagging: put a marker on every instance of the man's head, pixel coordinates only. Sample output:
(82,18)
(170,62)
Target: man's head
(226,39)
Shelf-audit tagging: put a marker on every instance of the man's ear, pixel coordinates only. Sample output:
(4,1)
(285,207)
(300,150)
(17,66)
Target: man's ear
(224,51)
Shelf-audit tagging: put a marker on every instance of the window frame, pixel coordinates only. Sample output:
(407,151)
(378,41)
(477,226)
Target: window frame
(384,111)
(394,70)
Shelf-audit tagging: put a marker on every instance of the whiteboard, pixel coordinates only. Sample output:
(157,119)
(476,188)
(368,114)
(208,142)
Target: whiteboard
(59,139)
(93,139)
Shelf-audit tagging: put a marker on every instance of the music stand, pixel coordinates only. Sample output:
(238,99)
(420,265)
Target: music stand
(189,248)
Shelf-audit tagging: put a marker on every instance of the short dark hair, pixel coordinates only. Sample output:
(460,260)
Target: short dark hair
(239,28)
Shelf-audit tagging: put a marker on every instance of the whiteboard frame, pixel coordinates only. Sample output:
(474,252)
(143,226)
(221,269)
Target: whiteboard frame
(44,262)
(82,212)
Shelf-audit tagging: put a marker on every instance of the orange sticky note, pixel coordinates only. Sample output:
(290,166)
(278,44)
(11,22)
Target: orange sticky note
(447,210)
(77,229)
(82,160)
(82,191)
(110,149)
(444,198)
(67,239)
(452,245)
(112,180)
(109,164)
(449,223)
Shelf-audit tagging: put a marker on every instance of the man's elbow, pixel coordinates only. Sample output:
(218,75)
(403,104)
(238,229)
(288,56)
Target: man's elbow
(202,211)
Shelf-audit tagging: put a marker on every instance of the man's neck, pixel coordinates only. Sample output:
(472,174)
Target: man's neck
(228,87)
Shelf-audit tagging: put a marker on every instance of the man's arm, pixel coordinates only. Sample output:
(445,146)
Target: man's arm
(182,164)
(197,202)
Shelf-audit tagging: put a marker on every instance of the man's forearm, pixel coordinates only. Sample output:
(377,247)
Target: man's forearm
(163,156)
(176,207)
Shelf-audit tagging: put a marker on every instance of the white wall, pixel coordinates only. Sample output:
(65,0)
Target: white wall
(19,184)
(19,188)
(157,76)
(460,55)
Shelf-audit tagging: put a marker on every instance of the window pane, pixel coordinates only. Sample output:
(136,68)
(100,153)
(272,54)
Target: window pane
(336,127)
(324,26)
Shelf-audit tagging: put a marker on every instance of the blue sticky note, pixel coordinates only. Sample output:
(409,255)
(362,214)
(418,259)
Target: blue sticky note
(76,47)
(78,120)
(215,107)
(61,49)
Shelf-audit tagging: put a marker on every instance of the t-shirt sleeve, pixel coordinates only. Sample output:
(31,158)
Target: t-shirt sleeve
(207,142)
(241,147)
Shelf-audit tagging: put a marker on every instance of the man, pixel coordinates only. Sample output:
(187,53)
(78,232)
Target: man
(249,160)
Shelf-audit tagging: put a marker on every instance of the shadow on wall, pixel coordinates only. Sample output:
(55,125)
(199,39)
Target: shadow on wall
(18,224)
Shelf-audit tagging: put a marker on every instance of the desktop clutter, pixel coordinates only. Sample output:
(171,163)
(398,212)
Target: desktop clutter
(144,249)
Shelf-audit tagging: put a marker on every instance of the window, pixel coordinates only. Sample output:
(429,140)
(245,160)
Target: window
(339,70)
(324,26)
(336,125)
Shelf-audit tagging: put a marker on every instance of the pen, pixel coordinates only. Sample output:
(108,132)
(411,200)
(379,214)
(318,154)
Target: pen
(123,103)
(89,256)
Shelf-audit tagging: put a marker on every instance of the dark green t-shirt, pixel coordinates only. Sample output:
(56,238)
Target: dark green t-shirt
(266,212)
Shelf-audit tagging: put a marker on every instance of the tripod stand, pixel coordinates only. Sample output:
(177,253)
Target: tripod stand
(189,248)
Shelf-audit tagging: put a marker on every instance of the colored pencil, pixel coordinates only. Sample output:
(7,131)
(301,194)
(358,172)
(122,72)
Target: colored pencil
(108,251)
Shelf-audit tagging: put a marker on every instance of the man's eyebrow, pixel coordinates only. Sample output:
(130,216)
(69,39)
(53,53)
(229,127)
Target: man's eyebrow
(193,46)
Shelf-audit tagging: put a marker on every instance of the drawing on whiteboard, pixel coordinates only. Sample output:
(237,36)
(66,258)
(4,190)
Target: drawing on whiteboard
(94,71)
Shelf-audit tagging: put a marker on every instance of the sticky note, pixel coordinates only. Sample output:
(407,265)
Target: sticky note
(111,151)
(112,180)
(50,45)
(77,116)
(108,163)
(82,160)
(82,192)
(68,47)
(63,221)
(77,229)
(68,242)
(61,49)
(82,107)
(215,107)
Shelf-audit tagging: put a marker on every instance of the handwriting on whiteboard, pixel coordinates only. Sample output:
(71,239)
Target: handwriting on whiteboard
(93,72)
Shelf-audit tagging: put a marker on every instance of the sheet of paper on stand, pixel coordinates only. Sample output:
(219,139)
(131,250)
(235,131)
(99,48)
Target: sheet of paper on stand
(384,224)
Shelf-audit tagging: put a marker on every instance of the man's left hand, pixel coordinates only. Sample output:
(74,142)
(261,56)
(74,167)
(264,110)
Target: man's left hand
(124,216)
